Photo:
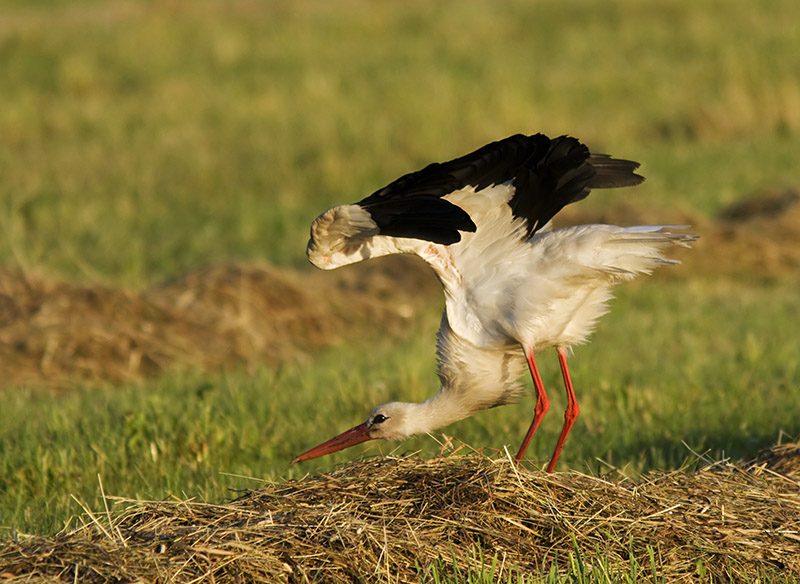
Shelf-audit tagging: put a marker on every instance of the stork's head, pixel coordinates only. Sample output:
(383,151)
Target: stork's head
(390,421)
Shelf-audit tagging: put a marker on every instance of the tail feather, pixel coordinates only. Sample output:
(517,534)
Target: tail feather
(650,244)
(656,234)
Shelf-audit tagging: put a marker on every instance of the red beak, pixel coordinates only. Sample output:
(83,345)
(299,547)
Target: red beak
(344,440)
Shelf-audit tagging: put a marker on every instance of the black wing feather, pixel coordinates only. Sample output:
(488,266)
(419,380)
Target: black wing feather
(613,172)
(420,216)
(547,175)
(565,174)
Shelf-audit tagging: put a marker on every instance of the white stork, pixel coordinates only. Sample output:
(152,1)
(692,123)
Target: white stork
(513,286)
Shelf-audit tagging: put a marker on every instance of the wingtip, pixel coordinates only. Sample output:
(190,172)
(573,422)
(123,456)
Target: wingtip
(614,172)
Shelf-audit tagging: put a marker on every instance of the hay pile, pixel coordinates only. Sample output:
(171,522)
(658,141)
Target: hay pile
(395,518)
(55,333)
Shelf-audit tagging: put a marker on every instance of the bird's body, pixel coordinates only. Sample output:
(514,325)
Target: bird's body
(513,287)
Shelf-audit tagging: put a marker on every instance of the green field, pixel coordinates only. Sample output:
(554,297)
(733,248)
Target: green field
(142,140)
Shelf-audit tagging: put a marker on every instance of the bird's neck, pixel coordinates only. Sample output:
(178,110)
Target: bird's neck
(436,412)
(473,378)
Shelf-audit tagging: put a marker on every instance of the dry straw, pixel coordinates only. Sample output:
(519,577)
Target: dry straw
(393,519)
(57,333)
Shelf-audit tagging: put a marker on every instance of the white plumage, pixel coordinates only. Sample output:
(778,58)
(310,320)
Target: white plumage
(513,286)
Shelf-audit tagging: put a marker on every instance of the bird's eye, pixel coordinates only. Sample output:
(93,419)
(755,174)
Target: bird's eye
(379,419)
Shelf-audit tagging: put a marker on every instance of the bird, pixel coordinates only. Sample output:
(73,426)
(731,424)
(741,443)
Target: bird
(513,285)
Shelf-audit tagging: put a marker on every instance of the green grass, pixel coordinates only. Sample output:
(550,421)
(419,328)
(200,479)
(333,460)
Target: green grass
(673,362)
(140,140)
(580,571)
(203,131)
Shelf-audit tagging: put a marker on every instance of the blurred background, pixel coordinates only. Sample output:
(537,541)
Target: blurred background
(161,162)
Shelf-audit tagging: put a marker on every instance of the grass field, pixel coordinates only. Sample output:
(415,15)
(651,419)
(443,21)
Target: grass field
(142,140)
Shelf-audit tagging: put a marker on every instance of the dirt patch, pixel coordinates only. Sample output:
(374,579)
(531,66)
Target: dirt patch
(397,518)
(56,333)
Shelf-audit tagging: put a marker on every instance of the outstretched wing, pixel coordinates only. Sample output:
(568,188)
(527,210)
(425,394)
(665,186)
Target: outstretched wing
(412,205)
(546,175)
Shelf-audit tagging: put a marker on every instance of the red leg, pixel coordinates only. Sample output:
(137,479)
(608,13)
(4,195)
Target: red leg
(542,404)
(570,415)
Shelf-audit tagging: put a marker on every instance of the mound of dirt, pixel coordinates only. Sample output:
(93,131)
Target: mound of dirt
(397,518)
